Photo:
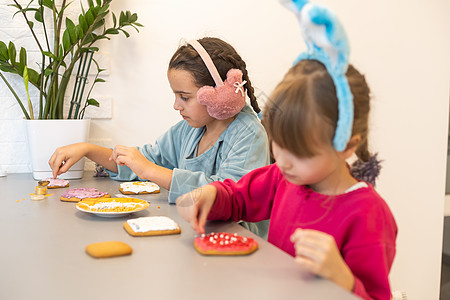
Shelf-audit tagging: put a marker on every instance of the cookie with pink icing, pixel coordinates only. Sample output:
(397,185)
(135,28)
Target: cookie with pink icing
(78,194)
(55,183)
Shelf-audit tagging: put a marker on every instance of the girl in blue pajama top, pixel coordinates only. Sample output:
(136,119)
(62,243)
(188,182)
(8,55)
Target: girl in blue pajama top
(238,150)
(199,149)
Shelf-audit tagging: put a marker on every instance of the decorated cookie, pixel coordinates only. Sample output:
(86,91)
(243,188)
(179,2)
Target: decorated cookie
(224,243)
(147,226)
(108,249)
(55,183)
(78,194)
(138,187)
(112,206)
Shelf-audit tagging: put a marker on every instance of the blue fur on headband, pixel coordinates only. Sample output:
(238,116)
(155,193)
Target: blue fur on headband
(327,42)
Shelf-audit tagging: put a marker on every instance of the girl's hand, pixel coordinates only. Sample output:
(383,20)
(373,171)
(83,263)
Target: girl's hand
(317,252)
(65,157)
(132,158)
(194,206)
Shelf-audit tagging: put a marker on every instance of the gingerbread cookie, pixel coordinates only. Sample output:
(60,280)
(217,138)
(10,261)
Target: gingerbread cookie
(55,183)
(139,187)
(78,194)
(108,249)
(112,206)
(148,226)
(224,243)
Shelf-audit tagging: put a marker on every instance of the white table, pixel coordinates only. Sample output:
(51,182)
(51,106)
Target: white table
(42,255)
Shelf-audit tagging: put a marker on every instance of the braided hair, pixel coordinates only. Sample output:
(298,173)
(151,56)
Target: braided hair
(224,57)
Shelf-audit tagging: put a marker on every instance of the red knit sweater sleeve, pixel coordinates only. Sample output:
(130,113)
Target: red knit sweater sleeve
(250,199)
(371,275)
(369,249)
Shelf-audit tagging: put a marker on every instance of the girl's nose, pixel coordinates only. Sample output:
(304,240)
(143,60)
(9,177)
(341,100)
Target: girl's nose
(176,104)
(282,163)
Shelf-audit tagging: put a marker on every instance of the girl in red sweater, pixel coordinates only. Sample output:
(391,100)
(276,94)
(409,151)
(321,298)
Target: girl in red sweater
(323,212)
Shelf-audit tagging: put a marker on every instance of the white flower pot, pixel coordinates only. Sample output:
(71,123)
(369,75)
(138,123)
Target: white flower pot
(44,136)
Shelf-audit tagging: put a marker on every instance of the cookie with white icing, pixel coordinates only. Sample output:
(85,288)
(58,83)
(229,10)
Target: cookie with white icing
(138,187)
(224,243)
(148,226)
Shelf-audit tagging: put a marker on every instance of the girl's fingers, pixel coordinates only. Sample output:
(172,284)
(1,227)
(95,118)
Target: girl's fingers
(57,166)
(122,150)
(310,243)
(120,160)
(303,237)
(318,253)
(197,227)
(309,252)
(300,233)
(296,235)
(185,207)
(112,157)
(122,155)
(310,236)
(188,210)
(53,164)
(202,221)
(55,170)
(115,153)
(191,216)
(51,160)
(306,263)
(65,167)
(191,208)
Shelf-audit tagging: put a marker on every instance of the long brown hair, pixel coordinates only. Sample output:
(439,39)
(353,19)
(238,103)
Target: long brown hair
(224,57)
(302,112)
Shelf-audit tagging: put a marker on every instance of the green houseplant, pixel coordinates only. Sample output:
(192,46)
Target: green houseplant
(63,44)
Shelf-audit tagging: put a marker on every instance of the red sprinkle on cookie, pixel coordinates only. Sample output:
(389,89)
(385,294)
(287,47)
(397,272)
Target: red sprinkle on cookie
(223,243)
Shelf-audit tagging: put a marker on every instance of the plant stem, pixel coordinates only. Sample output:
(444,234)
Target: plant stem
(52,94)
(41,90)
(58,28)
(82,112)
(76,88)
(26,81)
(45,27)
(15,96)
(29,26)
(59,98)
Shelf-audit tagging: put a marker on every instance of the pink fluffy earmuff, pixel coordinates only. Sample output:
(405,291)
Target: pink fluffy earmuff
(227,98)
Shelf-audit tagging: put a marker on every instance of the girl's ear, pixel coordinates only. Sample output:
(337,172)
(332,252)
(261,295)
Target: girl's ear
(352,145)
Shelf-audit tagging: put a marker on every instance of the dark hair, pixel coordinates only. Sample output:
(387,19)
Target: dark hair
(224,57)
(302,112)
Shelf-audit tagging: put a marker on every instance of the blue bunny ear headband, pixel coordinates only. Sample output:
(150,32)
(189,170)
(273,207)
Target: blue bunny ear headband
(327,43)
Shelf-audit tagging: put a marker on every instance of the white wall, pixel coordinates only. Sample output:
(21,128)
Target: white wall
(403,47)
